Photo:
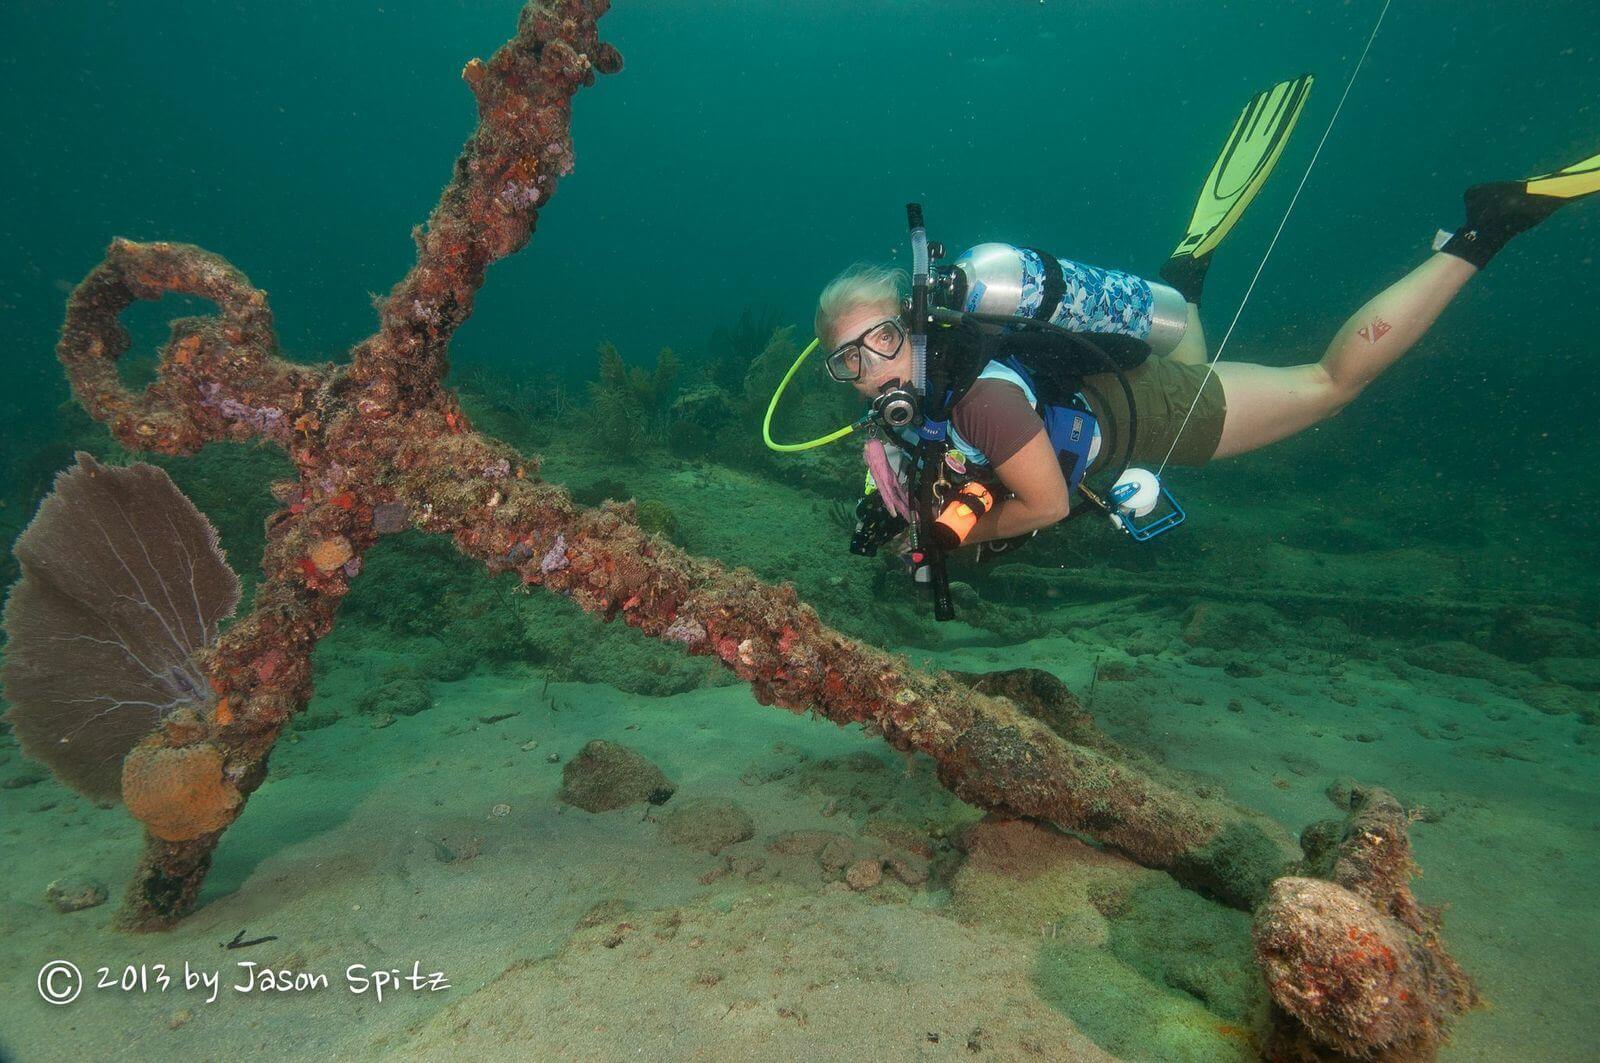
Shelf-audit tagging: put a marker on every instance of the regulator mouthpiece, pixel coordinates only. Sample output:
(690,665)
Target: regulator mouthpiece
(895,407)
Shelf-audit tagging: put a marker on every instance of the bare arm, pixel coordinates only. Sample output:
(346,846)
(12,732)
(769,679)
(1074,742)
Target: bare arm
(1038,493)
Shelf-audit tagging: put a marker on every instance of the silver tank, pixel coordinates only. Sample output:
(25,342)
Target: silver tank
(1003,279)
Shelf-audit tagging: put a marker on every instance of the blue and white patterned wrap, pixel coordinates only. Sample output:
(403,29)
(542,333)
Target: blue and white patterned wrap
(1095,300)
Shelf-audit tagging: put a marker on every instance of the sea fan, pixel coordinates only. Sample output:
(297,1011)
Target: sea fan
(123,584)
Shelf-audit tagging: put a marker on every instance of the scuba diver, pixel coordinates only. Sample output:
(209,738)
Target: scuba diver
(1008,380)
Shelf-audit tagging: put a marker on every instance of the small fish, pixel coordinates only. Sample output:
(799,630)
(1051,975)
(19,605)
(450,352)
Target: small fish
(239,942)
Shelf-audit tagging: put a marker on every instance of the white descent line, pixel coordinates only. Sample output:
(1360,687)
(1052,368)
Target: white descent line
(1211,365)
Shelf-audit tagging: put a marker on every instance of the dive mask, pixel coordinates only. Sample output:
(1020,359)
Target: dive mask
(883,339)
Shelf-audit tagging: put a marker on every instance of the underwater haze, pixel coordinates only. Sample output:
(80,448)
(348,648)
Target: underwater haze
(1402,597)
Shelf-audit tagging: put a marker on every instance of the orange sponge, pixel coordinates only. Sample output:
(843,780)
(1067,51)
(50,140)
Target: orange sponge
(178,794)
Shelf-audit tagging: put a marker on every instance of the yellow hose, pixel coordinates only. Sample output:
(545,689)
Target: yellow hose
(766,422)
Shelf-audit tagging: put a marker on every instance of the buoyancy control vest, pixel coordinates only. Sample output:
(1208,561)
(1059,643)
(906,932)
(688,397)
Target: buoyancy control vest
(1072,429)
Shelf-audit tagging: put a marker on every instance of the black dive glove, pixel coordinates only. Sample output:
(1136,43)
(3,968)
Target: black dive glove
(875,525)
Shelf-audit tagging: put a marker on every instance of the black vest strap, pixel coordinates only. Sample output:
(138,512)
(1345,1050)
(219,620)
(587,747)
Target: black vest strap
(1055,285)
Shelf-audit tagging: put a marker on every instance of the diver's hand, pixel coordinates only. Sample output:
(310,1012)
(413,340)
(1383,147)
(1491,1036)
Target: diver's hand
(875,525)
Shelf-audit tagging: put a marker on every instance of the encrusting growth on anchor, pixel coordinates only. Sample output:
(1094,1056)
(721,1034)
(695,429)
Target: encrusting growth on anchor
(1350,954)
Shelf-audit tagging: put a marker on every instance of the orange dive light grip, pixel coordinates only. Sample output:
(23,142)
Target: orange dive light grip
(952,527)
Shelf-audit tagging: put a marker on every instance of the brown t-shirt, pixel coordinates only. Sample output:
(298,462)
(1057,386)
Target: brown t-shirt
(996,417)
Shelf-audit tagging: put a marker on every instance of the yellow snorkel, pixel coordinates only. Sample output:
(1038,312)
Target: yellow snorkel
(783,385)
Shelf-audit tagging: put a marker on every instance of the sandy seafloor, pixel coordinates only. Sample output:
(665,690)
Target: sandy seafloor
(570,935)
(755,953)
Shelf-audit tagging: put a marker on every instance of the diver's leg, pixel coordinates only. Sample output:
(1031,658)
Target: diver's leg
(1267,403)
(1376,336)
(1191,350)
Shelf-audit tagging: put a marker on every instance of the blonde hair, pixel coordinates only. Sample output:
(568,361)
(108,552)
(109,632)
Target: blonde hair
(863,284)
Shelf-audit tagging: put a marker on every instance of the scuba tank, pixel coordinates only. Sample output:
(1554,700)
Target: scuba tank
(1010,281)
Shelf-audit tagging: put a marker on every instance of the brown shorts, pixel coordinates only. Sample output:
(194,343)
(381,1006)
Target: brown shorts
(1162,393)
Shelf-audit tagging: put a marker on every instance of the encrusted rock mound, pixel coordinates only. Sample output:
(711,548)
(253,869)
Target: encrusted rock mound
(709,824)
(606,775)
(74,894)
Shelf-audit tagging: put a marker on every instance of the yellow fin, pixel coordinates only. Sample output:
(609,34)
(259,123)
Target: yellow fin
(1251,151)
(1569,182)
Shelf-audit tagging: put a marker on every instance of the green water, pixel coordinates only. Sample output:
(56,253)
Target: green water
(745,154)
(752,150)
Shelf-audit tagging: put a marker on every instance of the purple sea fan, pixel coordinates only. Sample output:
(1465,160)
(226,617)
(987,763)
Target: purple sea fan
(123,584)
